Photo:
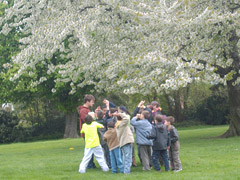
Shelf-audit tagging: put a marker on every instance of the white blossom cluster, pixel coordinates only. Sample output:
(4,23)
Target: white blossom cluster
(133,46)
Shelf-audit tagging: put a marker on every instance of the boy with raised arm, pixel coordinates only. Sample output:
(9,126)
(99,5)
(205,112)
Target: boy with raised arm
(92,145)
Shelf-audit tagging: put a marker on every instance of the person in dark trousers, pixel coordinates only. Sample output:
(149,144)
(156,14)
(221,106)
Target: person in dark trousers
(161,143)
(100,120)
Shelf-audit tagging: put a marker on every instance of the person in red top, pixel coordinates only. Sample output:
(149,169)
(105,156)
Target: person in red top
(85,109)
(83,112)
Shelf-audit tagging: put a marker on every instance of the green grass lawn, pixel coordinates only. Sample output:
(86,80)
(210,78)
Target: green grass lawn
(201,159)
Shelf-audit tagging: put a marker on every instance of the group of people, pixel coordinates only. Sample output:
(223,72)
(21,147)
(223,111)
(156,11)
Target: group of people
(108,134)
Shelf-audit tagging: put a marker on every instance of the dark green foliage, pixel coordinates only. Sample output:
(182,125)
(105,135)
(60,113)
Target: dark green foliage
(53,126)
(205,104)
(214,111)
(9,129)
(43,120)
(7,123)
(14,130)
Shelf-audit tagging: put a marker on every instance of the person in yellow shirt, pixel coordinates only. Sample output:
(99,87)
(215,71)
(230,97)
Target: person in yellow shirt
(92,145)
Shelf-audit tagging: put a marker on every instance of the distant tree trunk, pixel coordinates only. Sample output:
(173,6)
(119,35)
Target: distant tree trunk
(170,104)
(234,104)
(155,95)
(176,104)
(71,126)
(179,105)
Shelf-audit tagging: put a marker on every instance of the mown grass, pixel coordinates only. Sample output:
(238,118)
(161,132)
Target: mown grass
(201,159)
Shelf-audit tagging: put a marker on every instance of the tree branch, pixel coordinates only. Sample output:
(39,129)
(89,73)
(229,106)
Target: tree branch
(234,7)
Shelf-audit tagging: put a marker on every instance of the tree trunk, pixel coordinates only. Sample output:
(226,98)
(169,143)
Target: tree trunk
(178,99)
(234,104)
(176,107)
(234,91)
(170,106)
(71,126)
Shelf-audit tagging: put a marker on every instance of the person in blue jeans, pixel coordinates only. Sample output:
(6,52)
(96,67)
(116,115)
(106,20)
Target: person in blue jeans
(161,143)
(113,144)
(125,138)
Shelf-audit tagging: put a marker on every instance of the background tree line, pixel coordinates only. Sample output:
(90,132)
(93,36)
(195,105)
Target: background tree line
(40,118)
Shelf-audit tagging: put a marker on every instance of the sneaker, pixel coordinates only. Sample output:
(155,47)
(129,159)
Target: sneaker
(146,169)
(177,170)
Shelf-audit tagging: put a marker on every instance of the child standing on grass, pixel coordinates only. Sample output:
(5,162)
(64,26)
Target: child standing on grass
(113,144)
(161,143)
(175,145)
(123,109)
(101,120)
(92,145)
(125,137)
(143,130)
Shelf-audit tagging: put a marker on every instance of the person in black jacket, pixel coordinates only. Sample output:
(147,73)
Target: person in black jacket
(110,109)
(141,108)
(161,143)
(101,131)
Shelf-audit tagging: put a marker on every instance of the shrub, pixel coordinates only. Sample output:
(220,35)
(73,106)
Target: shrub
(212,111)
(9,129)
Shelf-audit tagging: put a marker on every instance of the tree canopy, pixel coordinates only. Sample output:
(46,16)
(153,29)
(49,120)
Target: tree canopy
(113,44)
(133,46)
